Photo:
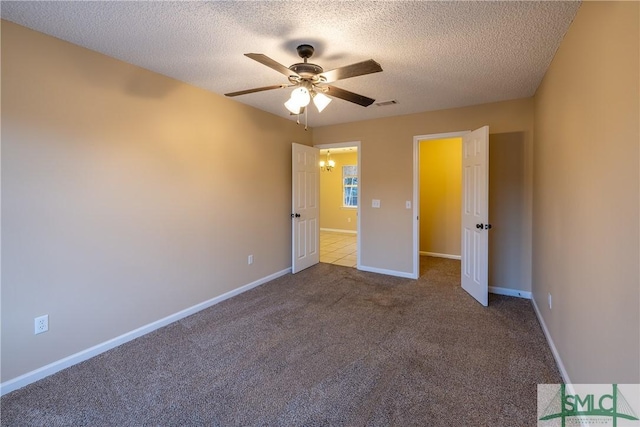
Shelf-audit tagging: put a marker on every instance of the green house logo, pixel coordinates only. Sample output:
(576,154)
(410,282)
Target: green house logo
(588,406)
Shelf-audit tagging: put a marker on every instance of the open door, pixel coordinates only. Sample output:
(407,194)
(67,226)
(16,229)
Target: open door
(305,226)
(475,214)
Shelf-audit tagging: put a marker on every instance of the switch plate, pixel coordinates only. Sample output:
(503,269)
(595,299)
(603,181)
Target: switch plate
(250,259)
(375,203)
(408,204)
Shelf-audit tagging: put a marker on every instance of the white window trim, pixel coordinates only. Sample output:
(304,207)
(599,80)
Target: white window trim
(344,186)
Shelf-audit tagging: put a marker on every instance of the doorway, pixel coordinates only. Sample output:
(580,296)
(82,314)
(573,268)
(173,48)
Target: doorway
(417,202)
(440,177)
(474,212)
(339,217)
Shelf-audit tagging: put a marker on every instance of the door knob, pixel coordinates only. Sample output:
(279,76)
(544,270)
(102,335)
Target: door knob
(297,215)
(480,226)
(487,226)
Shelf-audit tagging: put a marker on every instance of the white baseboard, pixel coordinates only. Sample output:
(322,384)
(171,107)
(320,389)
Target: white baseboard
(387,272)
(509,292)
(337,230)
(554,350)
(52,368)
(435,254)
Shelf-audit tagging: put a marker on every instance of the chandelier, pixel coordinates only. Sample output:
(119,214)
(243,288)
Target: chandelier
(329,164)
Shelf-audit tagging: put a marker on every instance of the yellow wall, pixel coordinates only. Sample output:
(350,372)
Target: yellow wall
(332,213)
(126,197)
(440,196)
(587,195)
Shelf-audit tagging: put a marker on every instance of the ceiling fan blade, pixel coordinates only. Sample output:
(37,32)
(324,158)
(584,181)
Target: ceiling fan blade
(349,96)
(265,60)
(359,69)
(258,89)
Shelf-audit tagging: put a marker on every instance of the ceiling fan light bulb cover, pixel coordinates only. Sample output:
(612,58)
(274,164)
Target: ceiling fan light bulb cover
(321,101)
(293,106)
(301,96)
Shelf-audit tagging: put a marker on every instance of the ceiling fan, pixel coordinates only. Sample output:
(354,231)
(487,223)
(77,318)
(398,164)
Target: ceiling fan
(312,82)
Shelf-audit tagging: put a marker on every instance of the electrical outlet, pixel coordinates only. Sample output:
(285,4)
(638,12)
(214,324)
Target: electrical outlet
(250,259)
(41,324)
(550,302)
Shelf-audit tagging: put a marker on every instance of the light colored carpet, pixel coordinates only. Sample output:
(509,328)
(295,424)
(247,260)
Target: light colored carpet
(328,346)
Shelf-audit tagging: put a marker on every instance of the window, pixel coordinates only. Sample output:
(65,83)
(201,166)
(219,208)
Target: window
(350,186)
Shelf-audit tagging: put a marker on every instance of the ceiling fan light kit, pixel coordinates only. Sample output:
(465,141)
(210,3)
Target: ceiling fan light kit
(320,101)
(311,81)
(293,106)
(301,96)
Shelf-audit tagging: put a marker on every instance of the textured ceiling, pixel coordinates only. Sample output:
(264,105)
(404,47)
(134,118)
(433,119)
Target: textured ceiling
(435,55)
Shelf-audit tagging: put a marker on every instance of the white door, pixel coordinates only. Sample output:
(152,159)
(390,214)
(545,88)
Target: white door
(475,214)
(305,226)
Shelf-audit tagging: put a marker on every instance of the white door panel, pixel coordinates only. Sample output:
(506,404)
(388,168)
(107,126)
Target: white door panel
(305,225)
(475,214)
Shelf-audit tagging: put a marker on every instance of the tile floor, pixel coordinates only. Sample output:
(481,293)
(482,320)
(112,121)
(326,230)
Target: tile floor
(338,248)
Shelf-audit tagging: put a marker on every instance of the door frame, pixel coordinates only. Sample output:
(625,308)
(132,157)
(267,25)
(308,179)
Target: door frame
(416,191)
(358,145)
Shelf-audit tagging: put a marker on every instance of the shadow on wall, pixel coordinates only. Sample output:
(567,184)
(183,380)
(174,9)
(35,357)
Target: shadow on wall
(507,207)
(101,71)
(140,85)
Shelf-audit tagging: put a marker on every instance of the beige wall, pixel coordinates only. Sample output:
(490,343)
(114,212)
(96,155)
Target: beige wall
(587,194)
(332,213)
(440,196)
(509,242)
(387,174)
(126,197)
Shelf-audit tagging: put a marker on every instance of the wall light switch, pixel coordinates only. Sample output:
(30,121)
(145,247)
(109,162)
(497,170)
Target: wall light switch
(375,203)
(408,204)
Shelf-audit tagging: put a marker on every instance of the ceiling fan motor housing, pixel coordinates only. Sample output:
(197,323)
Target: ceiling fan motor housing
(306,70)
(305,51)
